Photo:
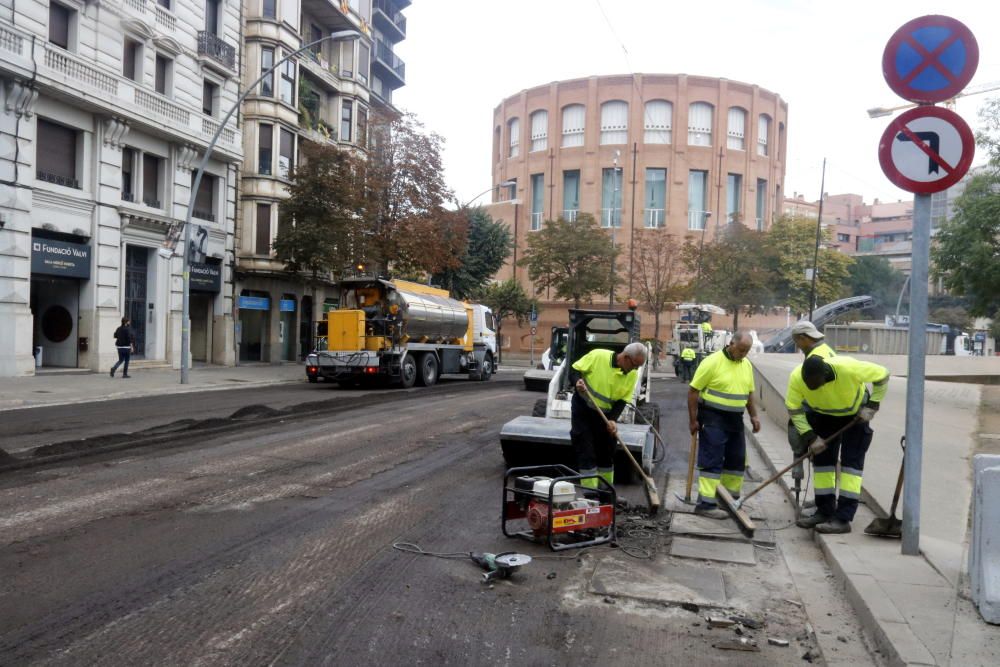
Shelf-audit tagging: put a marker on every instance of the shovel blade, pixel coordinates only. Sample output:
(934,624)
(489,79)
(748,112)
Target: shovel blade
(890,527)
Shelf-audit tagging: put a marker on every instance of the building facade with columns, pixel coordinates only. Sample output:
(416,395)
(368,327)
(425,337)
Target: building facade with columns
(107,108)
(325,96)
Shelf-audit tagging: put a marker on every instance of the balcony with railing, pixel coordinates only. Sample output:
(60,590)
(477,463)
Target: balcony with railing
(654,218)
(57,179)
(611,217)
(536,221)
(393,68)
(214,47)
(389,19)
(570,214)
(697,220)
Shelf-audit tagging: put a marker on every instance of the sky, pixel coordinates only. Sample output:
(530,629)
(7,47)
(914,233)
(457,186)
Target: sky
(823,58)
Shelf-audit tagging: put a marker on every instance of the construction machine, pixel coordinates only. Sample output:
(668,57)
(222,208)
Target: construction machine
(543,437)
(537,379)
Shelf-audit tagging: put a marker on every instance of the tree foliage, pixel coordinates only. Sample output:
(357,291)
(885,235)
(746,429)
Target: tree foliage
(489,244)
(408,229)
(317,225)
(572,258)
(956,317)
(657,274)
(507,300)
(736,271)
(876,277)
(793,241)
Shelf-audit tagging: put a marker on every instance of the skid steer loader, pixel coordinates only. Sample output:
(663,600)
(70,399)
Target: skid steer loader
(543,438)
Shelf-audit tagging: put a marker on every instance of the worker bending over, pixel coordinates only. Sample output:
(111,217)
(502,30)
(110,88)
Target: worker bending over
(722,388)
(835,391)
(610,379)
(809,340)
(687,364)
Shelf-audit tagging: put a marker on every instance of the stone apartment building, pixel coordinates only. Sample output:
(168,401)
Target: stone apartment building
(107,108)
(327,96)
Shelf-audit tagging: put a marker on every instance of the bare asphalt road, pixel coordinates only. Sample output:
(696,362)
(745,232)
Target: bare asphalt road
(270,542)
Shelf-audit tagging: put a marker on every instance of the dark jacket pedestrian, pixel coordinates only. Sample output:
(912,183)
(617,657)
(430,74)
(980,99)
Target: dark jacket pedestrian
(125,343)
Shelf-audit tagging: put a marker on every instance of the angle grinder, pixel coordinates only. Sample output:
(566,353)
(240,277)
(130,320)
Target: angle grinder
(499,566)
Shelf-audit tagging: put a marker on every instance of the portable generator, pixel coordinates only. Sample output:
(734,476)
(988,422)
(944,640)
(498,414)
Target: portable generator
(549,504)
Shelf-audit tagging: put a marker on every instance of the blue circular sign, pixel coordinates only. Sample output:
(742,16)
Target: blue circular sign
(930,59)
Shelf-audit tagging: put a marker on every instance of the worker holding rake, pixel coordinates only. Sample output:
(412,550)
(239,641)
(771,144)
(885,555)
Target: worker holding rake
(721,390)
(836,427)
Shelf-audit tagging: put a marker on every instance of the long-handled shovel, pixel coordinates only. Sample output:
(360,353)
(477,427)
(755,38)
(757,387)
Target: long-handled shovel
(891,526)
(734,507)
(652,495)
(692,457)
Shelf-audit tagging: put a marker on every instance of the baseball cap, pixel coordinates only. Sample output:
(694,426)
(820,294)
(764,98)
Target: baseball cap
(806,328)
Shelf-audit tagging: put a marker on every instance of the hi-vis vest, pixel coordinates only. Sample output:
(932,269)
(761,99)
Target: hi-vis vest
(606,384)
(822,350)
(841,397)
(688,354)
(724,384)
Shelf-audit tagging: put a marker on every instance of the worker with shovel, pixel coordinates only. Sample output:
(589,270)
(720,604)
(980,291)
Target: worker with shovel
(835,390)
(609,379)
(809,341)
(722,388)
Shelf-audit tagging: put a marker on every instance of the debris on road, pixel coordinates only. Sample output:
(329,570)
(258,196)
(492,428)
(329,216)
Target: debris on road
(776,641)
(718,622)
(741,644)
(751,623)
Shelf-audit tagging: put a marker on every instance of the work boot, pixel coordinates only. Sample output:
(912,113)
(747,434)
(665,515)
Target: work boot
(112,372)
(813,520)
(834,527)
(710,512)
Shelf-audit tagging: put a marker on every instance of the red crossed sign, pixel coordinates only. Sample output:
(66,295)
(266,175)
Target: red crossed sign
(930,59)
(926,150)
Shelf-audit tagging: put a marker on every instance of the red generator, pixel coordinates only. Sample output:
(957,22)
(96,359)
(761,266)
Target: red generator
(548,504)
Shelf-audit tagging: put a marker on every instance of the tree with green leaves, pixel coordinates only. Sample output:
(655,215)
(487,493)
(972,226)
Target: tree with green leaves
(572,258)
(793,241)
(965,249)
(490,243)
(877,278)
(408,230)
(736,271)
(657,273)
(507,299)
(317,227)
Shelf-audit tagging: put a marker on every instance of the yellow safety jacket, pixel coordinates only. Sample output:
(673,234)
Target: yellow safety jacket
(724,384)
(841,397)
(706,327)
(606,383)
(688,354)
(822,350)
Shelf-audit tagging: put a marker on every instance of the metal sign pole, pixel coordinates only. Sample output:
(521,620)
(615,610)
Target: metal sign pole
(915,374)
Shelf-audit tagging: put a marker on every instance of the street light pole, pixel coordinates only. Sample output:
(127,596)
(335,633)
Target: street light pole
(186,298)
(505,184)
(819,232)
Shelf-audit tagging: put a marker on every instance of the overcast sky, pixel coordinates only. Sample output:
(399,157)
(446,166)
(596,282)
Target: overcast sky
(824,59)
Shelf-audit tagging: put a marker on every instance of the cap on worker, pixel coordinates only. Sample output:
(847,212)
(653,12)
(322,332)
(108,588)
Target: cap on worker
(806,328)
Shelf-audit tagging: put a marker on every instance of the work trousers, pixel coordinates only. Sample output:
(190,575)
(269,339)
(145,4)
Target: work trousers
(687,370)
(722,455)
(593,446)
(850,448)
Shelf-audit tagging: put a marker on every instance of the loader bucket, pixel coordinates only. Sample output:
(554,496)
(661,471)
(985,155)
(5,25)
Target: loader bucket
(543,440)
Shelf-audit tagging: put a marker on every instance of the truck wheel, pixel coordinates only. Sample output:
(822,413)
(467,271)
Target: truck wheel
(487,371)
(428,370)
(407,372)
(539,409)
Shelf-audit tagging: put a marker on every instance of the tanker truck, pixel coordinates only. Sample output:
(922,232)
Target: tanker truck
(400,333)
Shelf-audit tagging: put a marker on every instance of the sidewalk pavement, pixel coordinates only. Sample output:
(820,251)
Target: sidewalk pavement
(64,387)
(916,607)
(49,388)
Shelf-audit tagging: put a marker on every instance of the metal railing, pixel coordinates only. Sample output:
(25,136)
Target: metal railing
(214,47)
(570,214)
(128,196)
(64,181)
(697,220)
(391,13)
(611,217)
(202,215)
(385,54)
(151,203)
(654,217)
(536,221)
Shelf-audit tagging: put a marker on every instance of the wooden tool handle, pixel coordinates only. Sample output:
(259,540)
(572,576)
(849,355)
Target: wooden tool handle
(691,461)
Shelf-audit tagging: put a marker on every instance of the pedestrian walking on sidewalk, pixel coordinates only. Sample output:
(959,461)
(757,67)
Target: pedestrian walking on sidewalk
(836,392)
(125,343)
(610,380)
(721,390)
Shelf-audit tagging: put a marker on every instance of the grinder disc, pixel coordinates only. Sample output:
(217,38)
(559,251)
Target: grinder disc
(512,560)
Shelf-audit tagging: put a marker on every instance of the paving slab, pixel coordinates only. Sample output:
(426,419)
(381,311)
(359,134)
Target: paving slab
(725,551)
(699,526)
(664,583)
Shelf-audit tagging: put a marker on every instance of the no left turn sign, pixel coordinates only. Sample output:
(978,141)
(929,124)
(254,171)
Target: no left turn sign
(926,150)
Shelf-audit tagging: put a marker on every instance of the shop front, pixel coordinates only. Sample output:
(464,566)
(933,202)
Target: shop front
(205,285)
(254,323)
(59,264)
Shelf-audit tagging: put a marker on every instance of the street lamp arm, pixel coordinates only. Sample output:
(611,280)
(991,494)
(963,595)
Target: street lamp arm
(186,307)
(505,184)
